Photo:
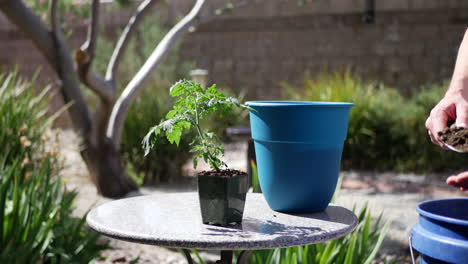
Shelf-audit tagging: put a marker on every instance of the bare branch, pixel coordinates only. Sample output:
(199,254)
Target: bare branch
(54,17)
(56,52)
(85,56)
(103,88)
(143,10)
(90,45)
(120,109)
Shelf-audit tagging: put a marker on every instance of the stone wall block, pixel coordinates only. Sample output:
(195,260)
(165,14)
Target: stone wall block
(367,66)
(266,43)
(395,64)
(423,4)
(384,48)
(392,5)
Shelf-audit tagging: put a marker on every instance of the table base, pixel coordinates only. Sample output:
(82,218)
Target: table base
(226,257)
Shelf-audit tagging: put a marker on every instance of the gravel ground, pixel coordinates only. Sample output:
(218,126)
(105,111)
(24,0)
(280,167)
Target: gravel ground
(396,195)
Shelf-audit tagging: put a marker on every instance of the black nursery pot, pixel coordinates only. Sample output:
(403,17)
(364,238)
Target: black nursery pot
(222,198)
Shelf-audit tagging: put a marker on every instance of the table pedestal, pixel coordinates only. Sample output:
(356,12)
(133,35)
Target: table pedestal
(226,257)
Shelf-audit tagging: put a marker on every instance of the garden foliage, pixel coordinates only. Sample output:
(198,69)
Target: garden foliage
(386,129)
(36,225)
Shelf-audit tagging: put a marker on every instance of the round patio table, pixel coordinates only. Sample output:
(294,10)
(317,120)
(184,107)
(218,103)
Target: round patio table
(173,220)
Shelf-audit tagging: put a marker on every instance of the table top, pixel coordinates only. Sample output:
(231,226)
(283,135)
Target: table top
(174,220)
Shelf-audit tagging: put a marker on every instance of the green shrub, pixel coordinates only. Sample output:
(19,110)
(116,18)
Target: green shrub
(386,130)
(18,114)
(35,209)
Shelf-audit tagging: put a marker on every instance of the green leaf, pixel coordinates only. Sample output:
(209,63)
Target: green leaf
(148,140)
(327,252)
(171,114)
(174,136)
(382,235)
(255,181)
(212,89)
(350,250)
(365,232)
(200,260)
(177,89)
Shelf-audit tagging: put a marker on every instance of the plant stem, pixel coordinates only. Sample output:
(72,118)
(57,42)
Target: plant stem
(202,138)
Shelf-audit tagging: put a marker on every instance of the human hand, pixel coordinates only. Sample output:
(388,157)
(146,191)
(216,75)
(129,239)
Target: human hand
(453,107)
(459,181)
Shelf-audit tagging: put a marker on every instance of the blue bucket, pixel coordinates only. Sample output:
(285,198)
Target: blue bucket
(441,234)
(298,147)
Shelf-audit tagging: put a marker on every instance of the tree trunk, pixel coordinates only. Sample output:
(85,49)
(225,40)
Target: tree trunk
(105,168)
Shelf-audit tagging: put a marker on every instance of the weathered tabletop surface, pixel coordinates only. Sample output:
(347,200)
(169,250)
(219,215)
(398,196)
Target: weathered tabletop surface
(174,220)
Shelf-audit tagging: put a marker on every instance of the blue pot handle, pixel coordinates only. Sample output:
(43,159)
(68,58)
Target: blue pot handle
(410,241)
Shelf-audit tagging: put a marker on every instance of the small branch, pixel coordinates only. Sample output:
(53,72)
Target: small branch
(142,11)
(103,88)
(84,58)
(55,28)
(54,18)
(116,121)
(93,28)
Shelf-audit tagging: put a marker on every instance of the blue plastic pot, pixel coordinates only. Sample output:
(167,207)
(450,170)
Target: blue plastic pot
(441,235)
(298,148)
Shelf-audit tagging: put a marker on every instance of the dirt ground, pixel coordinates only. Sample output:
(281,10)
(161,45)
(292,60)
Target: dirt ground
(396,195)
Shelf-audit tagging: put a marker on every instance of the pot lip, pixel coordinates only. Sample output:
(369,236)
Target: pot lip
(423,212)
(298,104)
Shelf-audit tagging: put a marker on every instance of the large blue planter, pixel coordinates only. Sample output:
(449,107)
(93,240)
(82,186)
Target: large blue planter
(441,235)
(298,148)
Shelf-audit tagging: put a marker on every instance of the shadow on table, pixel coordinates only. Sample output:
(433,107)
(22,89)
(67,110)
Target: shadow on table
(252,227)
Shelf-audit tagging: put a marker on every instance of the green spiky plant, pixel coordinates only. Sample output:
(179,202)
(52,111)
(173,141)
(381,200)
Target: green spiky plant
(36,219)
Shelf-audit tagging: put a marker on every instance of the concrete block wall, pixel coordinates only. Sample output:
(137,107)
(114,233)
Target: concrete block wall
(411,43)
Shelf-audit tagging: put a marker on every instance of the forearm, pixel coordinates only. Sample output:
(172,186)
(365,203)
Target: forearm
(460,73)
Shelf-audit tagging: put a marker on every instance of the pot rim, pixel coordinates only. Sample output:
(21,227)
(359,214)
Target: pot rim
(298,104)
(441,218)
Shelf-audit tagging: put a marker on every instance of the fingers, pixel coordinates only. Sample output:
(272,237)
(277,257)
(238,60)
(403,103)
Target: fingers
(462,116)
(452,181)
(436,122)
(459,181)
(439,121)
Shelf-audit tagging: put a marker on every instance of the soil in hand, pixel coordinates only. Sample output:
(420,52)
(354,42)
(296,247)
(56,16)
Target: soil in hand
(456,137)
